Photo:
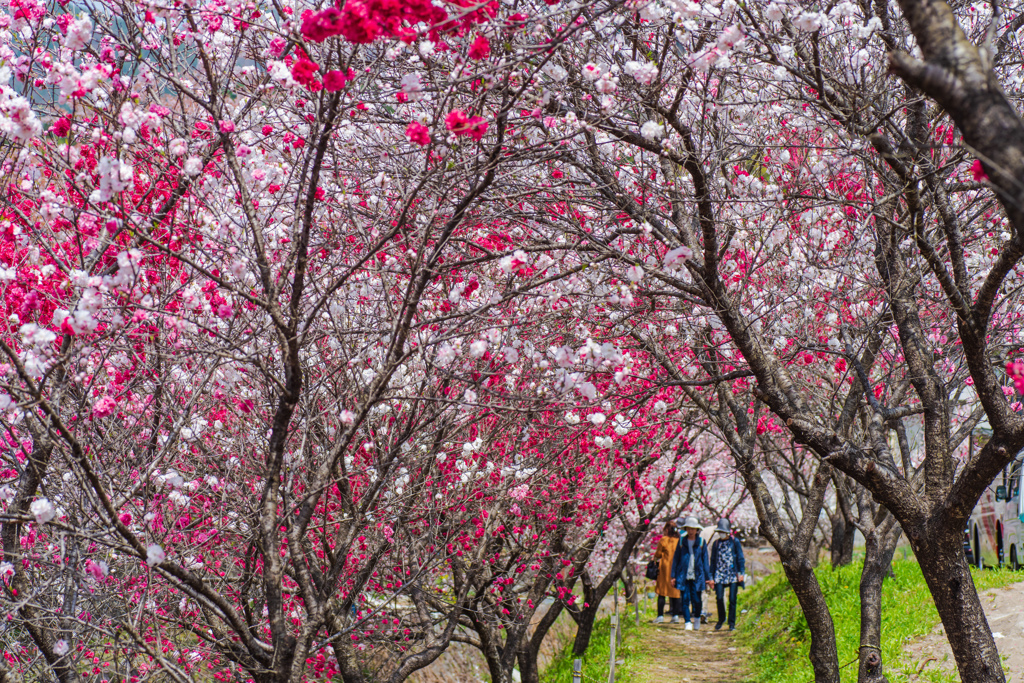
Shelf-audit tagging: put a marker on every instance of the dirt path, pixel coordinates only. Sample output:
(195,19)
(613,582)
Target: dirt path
(674,655)
(1004,608)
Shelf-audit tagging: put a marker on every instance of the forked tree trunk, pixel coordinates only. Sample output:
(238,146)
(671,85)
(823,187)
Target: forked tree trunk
(584,630)
(940,551)
(878,551)
(529,648)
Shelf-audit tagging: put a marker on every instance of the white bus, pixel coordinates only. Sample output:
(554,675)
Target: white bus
(995,531)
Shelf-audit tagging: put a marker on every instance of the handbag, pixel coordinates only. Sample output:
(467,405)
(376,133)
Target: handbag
(652,570)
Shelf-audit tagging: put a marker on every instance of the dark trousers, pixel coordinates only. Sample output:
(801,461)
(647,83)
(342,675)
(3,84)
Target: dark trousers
(674,605)
(720,599)
(692,601)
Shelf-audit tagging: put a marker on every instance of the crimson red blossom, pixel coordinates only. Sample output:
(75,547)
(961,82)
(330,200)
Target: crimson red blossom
(363,22)
(1015,369)
(461,124)
(304,70)
(480,49)
(978,171)
(334,81)
(319,26)
(61,127)
(418,133)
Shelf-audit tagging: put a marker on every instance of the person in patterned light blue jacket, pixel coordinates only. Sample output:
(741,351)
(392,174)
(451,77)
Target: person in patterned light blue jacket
(727,566)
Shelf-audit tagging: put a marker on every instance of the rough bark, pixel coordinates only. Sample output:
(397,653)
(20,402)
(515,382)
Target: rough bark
(529,648)
(824,654)
(939,548)
(844,528)
(880,542)
(584,630)
(841,548)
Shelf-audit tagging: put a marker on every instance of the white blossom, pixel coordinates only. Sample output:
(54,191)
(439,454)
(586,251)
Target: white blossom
(42,510)
(642,72)
(155,555)
(652,130)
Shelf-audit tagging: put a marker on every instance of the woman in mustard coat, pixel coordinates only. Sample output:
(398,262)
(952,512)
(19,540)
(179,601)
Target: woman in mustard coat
(665,589)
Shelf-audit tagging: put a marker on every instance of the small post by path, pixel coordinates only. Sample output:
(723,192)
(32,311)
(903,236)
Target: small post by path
(636,608)
(618,629)
(577,671)
(611,648)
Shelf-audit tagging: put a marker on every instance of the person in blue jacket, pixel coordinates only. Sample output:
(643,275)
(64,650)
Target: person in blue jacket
(727,566)
(691,571)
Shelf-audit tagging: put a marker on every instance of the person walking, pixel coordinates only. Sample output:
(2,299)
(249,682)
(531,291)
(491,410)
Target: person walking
(727,566)
(665,588)
(691,572)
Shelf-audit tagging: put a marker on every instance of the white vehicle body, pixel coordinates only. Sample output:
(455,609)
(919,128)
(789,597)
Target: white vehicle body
(996,526)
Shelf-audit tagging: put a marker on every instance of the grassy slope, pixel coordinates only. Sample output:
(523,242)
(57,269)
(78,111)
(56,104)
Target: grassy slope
(776,631)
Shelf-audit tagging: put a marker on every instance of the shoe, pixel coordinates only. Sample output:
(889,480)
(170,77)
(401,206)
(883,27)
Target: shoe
(732,628)
(659,620)
(696,626)
(675,619)
(718,626)
(689,626)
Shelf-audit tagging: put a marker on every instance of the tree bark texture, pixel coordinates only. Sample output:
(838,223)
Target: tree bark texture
(879,546)
(939,549)
(824,654)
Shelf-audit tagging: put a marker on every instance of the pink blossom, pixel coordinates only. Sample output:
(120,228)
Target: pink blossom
(104,407)
(277,46)
(97,570)
(227,126)
(79,34)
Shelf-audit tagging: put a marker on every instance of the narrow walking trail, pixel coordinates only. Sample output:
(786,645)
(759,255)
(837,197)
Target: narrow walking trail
(674,655)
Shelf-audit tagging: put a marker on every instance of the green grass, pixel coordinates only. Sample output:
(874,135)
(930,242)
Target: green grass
(776,631)
(595,660)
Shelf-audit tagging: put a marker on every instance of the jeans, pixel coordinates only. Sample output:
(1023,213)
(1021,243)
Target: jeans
(692,600)
(720,599)
(674,607)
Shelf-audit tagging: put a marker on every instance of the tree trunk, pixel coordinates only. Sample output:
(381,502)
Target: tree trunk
(824,654)
(940,552)
(841,548)
(878,550)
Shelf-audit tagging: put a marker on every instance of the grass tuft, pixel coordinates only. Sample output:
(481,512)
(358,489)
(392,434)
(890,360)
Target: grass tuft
(595,660)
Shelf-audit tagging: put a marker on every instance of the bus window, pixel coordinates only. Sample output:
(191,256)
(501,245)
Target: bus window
(1015,480)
